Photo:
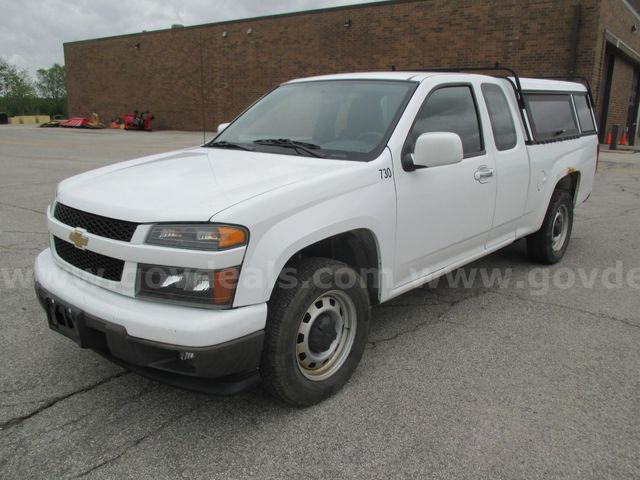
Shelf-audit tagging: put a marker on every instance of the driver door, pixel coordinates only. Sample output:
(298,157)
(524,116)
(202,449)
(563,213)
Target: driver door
(444,213)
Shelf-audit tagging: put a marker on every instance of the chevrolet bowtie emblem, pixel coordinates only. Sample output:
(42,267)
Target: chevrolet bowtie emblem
(79,239)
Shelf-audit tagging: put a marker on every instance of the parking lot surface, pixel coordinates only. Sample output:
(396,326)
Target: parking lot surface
(514,371)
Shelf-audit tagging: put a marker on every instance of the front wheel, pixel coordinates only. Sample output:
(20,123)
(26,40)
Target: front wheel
(549,244)
(316,331)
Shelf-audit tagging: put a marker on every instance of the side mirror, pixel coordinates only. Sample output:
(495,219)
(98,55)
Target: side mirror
(222,126)
(436,149)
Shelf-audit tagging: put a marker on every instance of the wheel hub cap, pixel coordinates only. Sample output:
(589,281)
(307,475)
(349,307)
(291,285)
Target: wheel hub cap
(322,334)
(325,335)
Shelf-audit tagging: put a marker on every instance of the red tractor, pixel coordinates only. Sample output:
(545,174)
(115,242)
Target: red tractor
(138,121)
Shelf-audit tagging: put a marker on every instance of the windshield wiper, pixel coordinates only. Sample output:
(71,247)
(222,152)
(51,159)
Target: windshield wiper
(305,147)
(225,144)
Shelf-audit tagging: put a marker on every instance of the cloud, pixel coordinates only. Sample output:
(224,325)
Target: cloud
(34,30)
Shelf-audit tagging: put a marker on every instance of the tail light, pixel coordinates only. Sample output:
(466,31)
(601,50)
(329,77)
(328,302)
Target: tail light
(597,156)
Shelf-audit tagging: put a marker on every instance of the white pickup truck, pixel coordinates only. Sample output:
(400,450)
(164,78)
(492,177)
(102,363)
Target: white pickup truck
(260,253)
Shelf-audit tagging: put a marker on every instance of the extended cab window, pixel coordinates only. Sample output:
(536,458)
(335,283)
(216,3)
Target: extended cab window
(504,130)
(584,114)
(450,109)
(551,116)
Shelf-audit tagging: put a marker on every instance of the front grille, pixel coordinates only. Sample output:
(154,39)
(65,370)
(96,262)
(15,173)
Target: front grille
(92,262)
(96,224)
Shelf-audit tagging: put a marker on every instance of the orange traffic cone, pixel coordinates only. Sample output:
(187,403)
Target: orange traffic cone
(609,138)
(623,140)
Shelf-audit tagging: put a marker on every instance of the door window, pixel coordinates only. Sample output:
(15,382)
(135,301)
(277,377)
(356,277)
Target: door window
(504,130)
(450,109)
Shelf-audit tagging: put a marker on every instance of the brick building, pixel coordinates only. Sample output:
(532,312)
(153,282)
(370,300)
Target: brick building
(211,72)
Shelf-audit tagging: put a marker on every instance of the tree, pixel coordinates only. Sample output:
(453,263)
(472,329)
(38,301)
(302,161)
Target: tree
(14,82)
(18,91)
(52,85)
(52,82)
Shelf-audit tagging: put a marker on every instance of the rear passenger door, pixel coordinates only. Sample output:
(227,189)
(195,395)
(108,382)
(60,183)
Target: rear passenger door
(506,144)
(445,212)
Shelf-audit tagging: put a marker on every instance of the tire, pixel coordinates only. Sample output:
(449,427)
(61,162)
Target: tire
(549,244)
(302,361)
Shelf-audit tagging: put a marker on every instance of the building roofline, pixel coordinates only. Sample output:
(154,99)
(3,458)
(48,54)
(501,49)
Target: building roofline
(250,19)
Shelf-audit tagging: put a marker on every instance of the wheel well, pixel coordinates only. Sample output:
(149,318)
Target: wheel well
(357,248)
(570,183)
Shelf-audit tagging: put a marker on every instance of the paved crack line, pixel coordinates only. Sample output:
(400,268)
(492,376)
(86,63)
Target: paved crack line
(50,403)
(22,208)
(138,441)
(440,319)
(409,305)
(570,308)
(116,406)
(623,213)
(24,232)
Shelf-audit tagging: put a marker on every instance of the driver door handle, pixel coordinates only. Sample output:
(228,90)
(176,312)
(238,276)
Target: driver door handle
(483,173)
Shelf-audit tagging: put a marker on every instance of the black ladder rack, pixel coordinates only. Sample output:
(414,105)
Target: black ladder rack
(515,84)
(572,77)
(517,87)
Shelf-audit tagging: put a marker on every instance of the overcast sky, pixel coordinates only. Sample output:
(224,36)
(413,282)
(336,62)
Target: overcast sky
(33,31)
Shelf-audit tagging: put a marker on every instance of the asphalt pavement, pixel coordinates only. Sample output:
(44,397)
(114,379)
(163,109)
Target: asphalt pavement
(514,371)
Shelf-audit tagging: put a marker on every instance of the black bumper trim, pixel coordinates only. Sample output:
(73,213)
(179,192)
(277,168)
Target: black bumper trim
(223,369)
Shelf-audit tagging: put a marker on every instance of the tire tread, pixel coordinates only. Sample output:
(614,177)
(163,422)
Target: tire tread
(274,372)
(539,243)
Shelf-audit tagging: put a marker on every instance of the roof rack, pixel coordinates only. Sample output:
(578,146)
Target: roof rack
(572,76)
(517,88)
(515,84)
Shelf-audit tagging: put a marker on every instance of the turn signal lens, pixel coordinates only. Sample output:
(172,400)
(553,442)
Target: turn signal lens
(231,237)
(205,236)
(224,285)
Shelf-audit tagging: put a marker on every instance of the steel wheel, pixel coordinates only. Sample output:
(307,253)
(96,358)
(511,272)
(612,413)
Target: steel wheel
(560,228)
(325,335)
(548,245)
(316,331)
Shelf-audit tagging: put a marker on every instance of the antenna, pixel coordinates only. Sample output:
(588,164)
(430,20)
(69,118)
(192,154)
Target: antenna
(204,137)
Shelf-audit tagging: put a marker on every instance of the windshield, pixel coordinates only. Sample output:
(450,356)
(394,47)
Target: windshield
(338,119)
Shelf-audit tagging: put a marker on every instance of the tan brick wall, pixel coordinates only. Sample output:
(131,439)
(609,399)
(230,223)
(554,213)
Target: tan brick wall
(112,77)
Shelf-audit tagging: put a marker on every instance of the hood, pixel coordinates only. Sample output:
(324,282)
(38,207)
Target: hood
(187,185)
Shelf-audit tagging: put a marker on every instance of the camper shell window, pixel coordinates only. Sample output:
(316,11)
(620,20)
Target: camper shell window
(585,117)
(552,116)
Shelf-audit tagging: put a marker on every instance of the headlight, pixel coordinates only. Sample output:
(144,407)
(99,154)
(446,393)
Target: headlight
(186,285)
(204,236)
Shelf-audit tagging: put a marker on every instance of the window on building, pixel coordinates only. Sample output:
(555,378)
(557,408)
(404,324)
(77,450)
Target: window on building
(584,114)
(450,109)
(551,116)
(504,130)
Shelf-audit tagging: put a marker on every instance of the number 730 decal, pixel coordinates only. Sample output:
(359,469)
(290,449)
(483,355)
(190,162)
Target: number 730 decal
(385,173)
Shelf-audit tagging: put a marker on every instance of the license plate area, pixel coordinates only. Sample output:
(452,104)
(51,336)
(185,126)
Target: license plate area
(63,319)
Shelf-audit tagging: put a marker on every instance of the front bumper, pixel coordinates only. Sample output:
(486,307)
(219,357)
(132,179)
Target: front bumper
(183,346)
(158,322)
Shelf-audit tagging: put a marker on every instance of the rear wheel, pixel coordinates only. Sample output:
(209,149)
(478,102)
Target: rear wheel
(549,244)
(316,331)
